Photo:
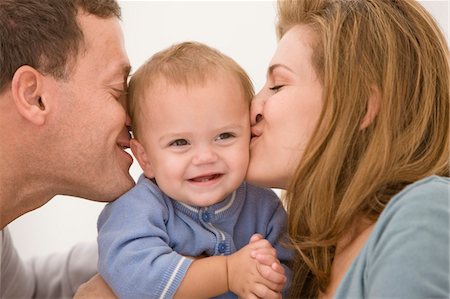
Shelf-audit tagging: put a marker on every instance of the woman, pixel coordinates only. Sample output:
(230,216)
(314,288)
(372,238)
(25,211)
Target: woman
(353,122)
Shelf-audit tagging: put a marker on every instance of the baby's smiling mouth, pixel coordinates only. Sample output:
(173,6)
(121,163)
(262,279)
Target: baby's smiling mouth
(206,178)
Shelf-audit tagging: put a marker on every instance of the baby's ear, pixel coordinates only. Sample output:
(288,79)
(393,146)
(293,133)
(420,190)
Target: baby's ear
(141,156)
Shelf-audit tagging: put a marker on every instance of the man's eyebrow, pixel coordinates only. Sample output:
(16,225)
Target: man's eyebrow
(121,75)
(122,70)
(126,69)
(120,90)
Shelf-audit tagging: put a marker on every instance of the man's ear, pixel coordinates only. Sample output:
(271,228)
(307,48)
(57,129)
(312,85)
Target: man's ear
(27,88)
(141,156)
(373,108)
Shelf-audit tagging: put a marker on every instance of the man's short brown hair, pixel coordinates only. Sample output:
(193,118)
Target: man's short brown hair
(44,34)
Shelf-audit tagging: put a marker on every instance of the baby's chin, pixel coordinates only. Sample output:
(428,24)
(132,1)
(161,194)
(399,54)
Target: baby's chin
(207,199)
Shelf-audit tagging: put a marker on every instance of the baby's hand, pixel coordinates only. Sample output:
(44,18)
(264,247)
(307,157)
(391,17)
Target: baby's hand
(268,265)
(244,276)
(270,268)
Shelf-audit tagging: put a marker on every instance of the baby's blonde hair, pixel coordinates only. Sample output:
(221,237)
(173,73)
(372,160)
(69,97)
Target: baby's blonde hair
(186,64)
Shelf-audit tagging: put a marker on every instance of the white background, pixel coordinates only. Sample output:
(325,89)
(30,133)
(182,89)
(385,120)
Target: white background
(243,30)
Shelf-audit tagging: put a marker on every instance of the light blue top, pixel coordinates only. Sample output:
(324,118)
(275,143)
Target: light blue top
(407,253)
(144,235)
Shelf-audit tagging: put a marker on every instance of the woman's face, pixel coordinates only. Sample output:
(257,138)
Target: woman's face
(284,113)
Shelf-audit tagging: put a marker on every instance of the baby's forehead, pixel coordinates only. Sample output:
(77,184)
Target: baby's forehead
(161,85)
(194,79)
(214,90)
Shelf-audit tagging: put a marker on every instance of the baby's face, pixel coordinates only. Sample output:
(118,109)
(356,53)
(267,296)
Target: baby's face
(196,140)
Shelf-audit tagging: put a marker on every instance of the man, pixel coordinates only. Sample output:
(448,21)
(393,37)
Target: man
(63,125)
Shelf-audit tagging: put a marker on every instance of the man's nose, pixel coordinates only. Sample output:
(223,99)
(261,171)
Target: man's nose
(128,126)
(128,120)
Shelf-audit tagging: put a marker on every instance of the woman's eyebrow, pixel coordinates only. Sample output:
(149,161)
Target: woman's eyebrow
(273,67)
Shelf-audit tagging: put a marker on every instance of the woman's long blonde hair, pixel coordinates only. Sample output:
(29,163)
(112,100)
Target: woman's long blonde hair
(386,49)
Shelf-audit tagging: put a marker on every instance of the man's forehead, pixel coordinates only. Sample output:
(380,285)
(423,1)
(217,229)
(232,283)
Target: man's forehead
(103,41)
(100,31)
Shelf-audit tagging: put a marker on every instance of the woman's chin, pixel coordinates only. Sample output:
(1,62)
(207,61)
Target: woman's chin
(264,179)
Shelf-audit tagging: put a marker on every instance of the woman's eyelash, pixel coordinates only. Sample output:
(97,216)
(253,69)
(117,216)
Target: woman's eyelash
(276,87)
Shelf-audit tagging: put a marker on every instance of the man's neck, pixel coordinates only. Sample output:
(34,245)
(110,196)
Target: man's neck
(22,189)
(19,194)
(23,186)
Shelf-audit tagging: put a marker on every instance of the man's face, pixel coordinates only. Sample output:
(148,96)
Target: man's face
(91,121)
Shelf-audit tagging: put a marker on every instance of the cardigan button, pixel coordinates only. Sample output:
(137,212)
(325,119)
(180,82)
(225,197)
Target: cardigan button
(222,247)
(206,216)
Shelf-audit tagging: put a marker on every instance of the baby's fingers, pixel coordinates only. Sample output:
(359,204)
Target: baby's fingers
(260,244)
(256,237)
(252,296)
(262,291)
(270,261)
(268,251)
(274,280)
(278,268)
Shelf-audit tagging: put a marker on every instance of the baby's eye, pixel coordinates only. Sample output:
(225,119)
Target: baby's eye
(224,136)
(179,142)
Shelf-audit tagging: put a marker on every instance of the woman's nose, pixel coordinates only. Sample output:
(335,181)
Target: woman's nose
(256,110)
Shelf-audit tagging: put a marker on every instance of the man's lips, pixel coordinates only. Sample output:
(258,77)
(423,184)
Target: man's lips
(123,145)
(123,142)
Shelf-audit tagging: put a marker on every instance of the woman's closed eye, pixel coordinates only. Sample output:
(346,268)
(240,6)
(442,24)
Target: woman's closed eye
(276,88)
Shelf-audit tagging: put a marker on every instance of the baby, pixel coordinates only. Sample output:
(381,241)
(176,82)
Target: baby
(187,229)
